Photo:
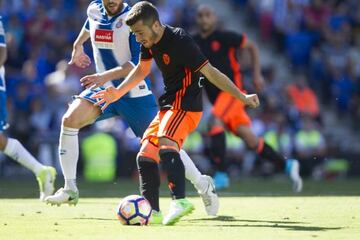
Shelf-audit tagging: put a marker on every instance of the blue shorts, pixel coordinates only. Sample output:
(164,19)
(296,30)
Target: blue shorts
(137,112)
(3,113)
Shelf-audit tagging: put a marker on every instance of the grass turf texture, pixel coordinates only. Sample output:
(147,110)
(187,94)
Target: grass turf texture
(252,209)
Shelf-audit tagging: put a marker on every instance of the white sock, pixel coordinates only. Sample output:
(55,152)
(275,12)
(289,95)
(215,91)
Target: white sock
(15,150)
(192,173)
(70,184)
(68,155)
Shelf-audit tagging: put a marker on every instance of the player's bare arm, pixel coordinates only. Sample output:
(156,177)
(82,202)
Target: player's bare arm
(255,63)
(112,94)
(221,81)
(99,79)
(3,56)
(78,56)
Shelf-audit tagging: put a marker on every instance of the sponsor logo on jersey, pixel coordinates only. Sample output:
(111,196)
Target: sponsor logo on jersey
(119,23)
(104,38)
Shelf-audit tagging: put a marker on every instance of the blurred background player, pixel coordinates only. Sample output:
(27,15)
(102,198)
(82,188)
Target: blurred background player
(181,63)
(221,47)
(116,52)
(11,147)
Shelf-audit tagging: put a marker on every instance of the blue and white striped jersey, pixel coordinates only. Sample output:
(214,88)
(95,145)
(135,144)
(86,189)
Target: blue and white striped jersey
(113,44)
(2,68)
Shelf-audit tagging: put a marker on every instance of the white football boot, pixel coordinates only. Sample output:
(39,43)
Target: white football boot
(210,197)
(63,196)
(46,180)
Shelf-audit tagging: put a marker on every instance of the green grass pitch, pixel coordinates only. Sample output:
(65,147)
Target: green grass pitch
(251,209)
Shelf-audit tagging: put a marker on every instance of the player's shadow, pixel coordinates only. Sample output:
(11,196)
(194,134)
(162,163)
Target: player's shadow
(233,219)
(288,225)
(96,219)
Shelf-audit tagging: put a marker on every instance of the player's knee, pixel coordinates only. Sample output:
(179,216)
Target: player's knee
(166,145)
(149,151)
(71,121)
(216,130)
(168,149)
(170,159)
(68,121)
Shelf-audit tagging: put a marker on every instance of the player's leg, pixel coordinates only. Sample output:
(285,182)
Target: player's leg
(223,109)
(80,113)
(148,167)
(217,150)
(139,113)
(45,175)
(12,148)
(239,122)
(175,126)
(204,185)
(265,151)
(175,170)
(149,178)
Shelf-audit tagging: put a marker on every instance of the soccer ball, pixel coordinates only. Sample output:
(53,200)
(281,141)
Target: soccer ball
(134,210)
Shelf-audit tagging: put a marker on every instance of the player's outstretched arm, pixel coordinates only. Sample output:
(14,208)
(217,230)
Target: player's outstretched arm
(99,79)
(78,56)
(112,94)
(221,81)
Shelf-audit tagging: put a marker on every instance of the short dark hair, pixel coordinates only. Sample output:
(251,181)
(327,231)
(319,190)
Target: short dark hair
(144,11)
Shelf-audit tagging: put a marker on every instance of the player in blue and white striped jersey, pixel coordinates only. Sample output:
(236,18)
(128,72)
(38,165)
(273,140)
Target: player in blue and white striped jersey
(116,52)
(12,147)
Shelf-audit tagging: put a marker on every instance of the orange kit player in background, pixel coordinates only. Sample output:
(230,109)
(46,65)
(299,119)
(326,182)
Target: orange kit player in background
(181,63)
(221,47)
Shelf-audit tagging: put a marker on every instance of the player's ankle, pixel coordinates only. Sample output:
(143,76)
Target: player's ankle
(201,184)
(39,169)
(70,184)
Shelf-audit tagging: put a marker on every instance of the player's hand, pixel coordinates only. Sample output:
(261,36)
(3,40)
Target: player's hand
(107,96)
(92,81)
(79,58)
(259,82)
(252,100)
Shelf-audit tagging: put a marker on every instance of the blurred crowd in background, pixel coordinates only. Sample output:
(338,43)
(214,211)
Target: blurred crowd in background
(329,35)
(321,40)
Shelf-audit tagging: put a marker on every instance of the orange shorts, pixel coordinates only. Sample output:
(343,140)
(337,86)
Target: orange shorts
(172,124)
(231,112)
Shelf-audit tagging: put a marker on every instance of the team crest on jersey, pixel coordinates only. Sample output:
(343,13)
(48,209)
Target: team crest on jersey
(166,58)
(215,46)
(104,38)
(119,23)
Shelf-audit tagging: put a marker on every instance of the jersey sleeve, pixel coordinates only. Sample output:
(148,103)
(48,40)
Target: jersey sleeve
(87,25)
(134,49)
(2,35)
(236,40)
(145,53)
(191,54)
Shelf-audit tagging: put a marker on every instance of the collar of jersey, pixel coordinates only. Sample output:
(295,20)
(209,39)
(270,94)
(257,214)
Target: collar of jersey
(113,18)
(165,37)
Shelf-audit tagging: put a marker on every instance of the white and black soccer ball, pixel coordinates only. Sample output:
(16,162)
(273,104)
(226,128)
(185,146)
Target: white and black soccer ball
(134,210)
